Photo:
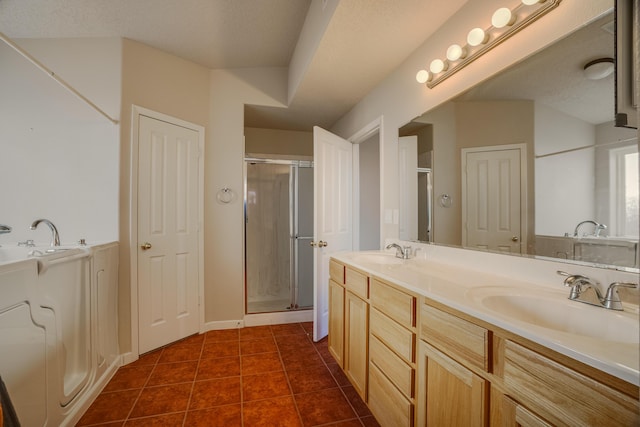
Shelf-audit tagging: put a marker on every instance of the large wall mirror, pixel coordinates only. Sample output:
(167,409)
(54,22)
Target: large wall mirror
(529,162)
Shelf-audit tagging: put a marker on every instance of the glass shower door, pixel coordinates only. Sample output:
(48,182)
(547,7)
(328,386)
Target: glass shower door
(303,235)
(278,230)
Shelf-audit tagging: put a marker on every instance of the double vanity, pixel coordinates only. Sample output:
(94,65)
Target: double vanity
(454,337)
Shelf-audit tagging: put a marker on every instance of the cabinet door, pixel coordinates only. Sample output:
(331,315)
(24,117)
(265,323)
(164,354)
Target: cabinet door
(356,342)
(336,322)
(449,394)
(515,415)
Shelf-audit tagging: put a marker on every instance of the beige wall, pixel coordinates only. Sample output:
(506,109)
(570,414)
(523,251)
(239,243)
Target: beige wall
(278,142)
(164,83)
(229,91)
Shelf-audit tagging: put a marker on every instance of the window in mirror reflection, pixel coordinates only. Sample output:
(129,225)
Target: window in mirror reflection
(624,203)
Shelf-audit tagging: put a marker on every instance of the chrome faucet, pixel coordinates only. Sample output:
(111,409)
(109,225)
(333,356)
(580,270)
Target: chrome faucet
(599,227)
(55,237)
(401,252)
(586,291)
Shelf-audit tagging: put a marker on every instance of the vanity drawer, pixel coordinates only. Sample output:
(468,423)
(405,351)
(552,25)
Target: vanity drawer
(399,339)
(569,398)
(458,337)
(388,405)
(397,370)
(357,282)
(396,304)
(336,271)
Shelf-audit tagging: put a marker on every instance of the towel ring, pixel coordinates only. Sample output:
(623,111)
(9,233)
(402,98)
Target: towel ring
(445,200)
(225,196)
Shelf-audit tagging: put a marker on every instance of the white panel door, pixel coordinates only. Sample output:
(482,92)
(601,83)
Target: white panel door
(167,233)
(408,174)
(333,219)
(491,199)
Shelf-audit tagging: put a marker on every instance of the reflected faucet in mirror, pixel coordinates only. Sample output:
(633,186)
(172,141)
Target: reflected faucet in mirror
(401,252)
(55,236)
(596,232)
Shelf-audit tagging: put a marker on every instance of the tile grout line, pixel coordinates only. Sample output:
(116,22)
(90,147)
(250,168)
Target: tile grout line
(286,375)
(193,383)
(241,381)
(341,388)
(143,386)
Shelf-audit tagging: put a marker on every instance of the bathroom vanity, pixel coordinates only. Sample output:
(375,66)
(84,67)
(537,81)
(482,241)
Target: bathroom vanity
(430,341)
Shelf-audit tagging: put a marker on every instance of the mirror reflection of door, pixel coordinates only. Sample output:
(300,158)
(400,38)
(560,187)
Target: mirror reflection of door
(415,154)
(491,198)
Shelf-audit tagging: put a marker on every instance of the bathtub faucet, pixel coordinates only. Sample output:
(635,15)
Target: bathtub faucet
(55,237)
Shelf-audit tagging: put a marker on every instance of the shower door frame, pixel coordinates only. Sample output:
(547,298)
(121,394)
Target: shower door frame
(294,238)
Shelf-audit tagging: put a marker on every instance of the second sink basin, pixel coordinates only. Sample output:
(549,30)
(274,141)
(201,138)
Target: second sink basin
(554,311)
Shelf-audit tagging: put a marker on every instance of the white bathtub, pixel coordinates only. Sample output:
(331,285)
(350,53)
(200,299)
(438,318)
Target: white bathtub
(58,329)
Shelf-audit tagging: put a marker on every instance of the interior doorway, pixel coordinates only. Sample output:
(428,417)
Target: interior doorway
(278,232)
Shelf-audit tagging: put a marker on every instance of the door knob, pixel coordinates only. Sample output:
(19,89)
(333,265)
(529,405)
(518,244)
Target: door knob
(514,239)
(319,244)
(145,246)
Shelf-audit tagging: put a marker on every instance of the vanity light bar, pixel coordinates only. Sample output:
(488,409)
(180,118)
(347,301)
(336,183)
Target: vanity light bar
(504,23)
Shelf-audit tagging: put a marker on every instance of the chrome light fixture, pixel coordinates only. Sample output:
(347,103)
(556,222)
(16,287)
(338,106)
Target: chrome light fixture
(505,22)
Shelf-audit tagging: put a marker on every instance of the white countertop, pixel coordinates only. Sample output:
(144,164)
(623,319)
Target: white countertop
(467,290)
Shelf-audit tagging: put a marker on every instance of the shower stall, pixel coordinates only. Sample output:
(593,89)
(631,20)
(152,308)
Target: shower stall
(278,214)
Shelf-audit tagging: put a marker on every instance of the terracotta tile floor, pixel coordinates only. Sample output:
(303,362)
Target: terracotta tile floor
(259,376)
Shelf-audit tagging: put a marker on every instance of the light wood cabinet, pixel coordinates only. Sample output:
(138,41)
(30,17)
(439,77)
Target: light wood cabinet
(416,361)
(336,311)
(389,406)
(561,395)
(392,354)
(449,393)
(458,337)
(336,321)
(516,415)
(356,342)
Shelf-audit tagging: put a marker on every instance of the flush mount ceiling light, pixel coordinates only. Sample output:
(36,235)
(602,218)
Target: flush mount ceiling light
(505,22)
(599,68)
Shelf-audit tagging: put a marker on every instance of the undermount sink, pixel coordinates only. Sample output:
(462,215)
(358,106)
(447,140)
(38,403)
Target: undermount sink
(556,312)
(388,258)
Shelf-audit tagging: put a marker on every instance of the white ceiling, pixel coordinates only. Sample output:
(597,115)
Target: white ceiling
(364,42)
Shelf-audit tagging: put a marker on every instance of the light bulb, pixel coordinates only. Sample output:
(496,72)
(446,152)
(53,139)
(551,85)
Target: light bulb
(423,76)
(456,52)
(476,37)
(502,17)
(437,66)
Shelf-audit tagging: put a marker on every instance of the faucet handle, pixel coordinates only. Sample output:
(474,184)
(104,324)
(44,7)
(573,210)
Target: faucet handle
(612,298)
(573,279)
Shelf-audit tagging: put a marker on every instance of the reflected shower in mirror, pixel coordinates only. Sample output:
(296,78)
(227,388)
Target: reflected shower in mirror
(529,161)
